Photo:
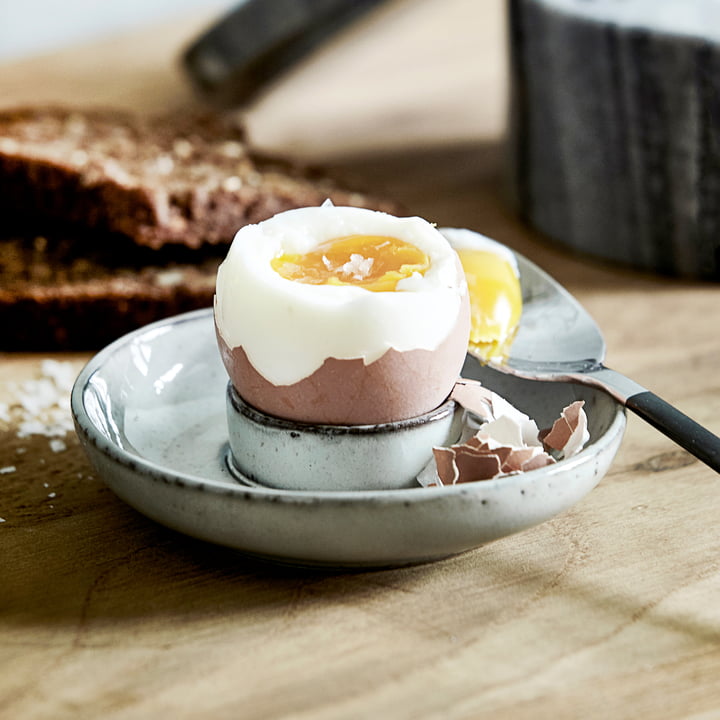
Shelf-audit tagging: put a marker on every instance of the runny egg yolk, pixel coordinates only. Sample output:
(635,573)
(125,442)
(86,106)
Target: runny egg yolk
(373,262)
(495,302)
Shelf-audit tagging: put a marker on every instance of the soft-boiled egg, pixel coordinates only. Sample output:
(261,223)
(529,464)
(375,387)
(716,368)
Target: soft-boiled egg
(340,315)
(493,282)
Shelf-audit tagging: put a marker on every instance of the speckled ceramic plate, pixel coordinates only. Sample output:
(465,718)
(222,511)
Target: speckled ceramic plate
(150,412)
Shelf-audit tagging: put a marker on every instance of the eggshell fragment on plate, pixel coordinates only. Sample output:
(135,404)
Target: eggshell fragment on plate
(501,440)
(569,432)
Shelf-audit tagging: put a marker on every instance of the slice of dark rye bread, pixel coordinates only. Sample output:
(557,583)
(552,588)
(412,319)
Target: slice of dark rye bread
(189,180)
(68,290)
(112,221)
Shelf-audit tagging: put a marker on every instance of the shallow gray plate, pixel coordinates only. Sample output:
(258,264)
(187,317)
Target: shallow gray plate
(150,413)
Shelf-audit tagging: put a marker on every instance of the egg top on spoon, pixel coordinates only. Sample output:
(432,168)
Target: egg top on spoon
(493,281)
(340,315)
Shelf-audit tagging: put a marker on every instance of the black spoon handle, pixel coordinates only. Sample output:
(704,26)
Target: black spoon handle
(696,439)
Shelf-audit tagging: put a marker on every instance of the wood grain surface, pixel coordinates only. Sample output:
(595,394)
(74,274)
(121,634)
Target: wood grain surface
(608,611)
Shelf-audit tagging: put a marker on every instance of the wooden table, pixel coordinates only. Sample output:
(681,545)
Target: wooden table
(611,610)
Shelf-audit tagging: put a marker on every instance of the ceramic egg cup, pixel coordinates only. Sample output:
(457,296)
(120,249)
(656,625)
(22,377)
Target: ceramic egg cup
(290,455)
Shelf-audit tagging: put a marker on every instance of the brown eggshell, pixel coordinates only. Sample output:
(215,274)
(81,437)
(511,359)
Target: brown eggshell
(396,386)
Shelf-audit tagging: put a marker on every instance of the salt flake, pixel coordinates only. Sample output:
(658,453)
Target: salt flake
(41,405)
(358,266)
(57,445)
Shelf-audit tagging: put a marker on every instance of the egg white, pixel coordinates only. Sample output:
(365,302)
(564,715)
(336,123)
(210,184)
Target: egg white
(288,328)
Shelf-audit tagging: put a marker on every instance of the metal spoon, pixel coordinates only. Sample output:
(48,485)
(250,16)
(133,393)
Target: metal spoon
(558,340)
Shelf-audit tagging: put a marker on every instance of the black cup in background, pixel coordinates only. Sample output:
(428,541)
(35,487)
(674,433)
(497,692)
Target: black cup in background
(615,137)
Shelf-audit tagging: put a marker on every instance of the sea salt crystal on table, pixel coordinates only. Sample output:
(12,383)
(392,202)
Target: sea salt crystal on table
(61,373)
(41,405)
(57,445)
(30,427)
(37,395)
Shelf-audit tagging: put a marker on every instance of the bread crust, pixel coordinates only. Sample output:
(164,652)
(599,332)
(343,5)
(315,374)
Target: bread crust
(188,180)
(66,290)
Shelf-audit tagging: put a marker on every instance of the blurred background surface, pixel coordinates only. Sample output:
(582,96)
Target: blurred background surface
(348,97)
(45,25)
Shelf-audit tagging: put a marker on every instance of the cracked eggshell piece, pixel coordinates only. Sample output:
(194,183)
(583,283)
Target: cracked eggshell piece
(340,354)
(569,432)
(506,442)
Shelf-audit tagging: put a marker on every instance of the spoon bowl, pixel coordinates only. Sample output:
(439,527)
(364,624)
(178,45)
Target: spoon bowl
(558,340)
